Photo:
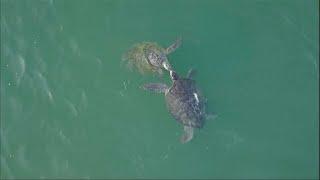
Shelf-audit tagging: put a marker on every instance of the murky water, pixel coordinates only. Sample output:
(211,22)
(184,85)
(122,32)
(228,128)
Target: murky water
(70,109)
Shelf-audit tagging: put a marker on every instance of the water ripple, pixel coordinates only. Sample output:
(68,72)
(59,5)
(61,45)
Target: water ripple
(43,85)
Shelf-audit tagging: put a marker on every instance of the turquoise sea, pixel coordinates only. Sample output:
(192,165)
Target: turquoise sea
(71,109)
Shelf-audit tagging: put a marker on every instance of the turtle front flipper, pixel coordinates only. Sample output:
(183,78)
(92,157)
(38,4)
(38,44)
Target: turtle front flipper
(155,87)
(188,134)
(174,46)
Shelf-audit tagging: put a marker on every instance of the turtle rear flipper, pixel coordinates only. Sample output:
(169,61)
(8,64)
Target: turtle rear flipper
(155,87)
(191,73)
(188,134)
(174,46)
(211,116)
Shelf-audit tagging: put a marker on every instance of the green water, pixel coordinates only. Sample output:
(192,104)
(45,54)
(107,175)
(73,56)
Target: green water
(69,109)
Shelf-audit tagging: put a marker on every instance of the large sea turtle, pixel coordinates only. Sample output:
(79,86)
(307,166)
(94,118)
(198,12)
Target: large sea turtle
(150,57)
(183,101)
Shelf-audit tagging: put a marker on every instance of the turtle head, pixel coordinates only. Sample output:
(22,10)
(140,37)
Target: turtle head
(173,75)
(155,58)
(166,65)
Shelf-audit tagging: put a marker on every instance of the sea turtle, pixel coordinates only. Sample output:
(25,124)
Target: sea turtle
(149,56)
(184,102)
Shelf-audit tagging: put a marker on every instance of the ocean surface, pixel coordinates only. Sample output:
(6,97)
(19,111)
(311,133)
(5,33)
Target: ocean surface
(71,109)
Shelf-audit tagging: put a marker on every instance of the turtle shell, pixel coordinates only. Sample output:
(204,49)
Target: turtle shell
(185,103)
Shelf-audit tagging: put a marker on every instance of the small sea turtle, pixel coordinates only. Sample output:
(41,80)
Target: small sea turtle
(183,101)
(149,56)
